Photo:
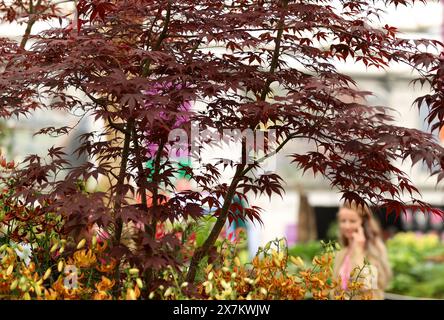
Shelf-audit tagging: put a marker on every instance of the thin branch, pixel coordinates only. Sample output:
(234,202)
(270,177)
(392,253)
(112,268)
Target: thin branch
(289,137)
(121,179)
(202,251)
(141,177)
(276,54)
(102,102)
(162,36)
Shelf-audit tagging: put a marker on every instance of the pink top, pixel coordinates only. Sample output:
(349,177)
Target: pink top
(345,271)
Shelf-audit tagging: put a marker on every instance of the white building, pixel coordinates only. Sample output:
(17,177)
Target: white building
(392,89)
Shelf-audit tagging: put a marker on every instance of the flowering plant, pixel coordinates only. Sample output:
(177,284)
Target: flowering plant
(272,275)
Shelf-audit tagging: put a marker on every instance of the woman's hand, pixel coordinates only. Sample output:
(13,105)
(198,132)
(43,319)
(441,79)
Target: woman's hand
(358,239)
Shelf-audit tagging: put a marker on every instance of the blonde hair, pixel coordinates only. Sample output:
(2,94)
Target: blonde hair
(375,250)
(372,230)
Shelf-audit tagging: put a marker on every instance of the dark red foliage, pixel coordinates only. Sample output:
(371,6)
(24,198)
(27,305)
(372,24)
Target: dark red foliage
(22,10)
(139,61)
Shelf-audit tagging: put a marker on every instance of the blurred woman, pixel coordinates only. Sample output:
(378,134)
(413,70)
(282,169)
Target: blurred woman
(361,242)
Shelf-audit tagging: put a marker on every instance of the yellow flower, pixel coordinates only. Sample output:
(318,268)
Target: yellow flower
(367,296)
(54,247)
(94,241)
(14,285)
(132,294)
(60,266)
(47,274)
(38,290)
(298,292)
(305,274)
(140,283)
(72,294)
(133,271)
(81,244)
(168,292)
(315,281)
(340,296)
(84,258)
(9,270)
(256,262)
(298,261)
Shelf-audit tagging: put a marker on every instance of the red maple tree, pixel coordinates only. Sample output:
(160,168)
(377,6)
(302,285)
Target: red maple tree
(117,50)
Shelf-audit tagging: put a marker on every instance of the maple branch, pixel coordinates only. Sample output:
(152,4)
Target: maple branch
(156,170)
(113,174)
(162,36)
(276,53)
(159,11)
(395,49)
(195,47)
(32,20)
(164,32)
(139,168)
(121,180)
(203,251)
(22,6)
(150,228)
(116,126)
(289,137)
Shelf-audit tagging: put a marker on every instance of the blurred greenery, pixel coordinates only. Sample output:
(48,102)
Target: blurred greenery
(332,231)
(418,265)
(307,251)
(203,229)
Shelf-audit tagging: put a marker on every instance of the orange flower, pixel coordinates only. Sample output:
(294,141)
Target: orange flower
(31,267)
(256,262)
(9,259)
(66,293)
(72,294)
(100,247)
(105,285)
(132,294)
(84,258)
(298,291)
(367,296)
(320,294)
(355,285)
(51,294)
(324,261)
(102,295)
(107,268)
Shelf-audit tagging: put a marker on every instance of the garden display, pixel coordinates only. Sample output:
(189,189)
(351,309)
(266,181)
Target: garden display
(165,83)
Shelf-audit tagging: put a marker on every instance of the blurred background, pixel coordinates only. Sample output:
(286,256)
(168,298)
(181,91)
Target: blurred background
(307,212)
